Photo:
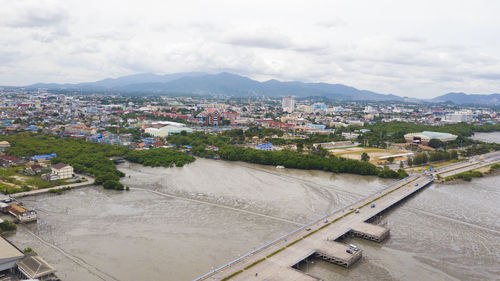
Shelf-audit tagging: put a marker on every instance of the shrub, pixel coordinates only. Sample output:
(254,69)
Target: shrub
(112,184)
(7,226)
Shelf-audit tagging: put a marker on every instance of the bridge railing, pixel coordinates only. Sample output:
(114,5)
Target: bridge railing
(296,230)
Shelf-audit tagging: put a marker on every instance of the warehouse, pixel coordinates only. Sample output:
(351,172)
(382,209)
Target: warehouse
(9,255)
(425,136)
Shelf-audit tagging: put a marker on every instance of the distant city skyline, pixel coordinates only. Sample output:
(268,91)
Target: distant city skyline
(417,49)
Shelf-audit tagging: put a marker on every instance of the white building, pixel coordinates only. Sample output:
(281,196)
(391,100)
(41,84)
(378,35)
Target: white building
(63,171)
(288,104)
(459,116)
(165,131)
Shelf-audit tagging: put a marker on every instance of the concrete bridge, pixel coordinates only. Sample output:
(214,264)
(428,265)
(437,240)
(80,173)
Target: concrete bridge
(278,259)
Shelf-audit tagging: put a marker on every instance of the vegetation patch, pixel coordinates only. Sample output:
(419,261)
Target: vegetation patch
(275,252)
(232,275)
(254,263)
(59,191)
(157,157)
(7,226)
(466,176)
(493,168)
(296,241)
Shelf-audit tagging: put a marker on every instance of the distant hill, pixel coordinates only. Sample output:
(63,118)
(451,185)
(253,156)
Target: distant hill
(462,98)
(199,83)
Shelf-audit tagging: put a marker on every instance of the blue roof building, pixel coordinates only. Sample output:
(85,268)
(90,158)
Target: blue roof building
(46,157)
(267,146)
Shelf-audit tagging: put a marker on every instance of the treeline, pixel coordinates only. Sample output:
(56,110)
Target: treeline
(85,157)
(310,161)
(91,158)
(159,157)
(382,132)
(434,156)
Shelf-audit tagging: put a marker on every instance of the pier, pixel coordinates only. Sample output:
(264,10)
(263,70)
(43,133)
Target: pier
(279,259)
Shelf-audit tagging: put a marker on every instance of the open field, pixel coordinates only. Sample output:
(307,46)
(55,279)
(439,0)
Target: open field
(374,153)
(12,181)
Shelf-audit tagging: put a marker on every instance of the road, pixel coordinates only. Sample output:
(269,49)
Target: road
(90,181)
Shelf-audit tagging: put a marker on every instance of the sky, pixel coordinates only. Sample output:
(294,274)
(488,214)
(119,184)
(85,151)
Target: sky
(409,48)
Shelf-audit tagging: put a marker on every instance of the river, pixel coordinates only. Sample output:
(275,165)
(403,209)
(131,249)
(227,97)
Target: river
(178,223)
(487,137)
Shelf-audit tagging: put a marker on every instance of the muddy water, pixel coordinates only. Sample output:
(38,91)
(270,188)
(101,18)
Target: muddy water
(178,223)
(487,137)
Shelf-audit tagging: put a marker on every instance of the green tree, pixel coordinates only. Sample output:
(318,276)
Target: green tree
(435,143)
(300,147)
(410,161)
(365,157)
(112,184)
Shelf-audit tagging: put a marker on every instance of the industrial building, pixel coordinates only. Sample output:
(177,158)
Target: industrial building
(425,136)
(165,131)
(9,255)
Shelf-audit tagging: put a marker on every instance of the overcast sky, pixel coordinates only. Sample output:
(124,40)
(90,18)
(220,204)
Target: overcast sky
(408,48)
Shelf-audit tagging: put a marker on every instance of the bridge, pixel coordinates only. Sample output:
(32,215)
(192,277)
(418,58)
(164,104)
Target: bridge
(278,260)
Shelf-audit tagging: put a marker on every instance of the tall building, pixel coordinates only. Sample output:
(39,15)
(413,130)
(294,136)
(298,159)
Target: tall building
(459,116)
(288,104)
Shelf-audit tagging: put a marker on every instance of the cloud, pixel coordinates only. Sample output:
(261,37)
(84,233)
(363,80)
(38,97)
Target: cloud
(414,52)
(32,14)
(331,23)
(267,39)
(411,39)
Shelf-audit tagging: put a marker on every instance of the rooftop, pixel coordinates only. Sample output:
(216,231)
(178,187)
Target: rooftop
(435,134)
(59,166)
(35,267)
(9,251)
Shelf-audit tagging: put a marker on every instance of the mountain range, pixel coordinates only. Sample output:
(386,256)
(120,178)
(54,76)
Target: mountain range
(200,83)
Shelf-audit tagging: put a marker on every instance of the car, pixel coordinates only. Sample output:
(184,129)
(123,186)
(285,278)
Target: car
(373,205)
(351,208)
(416,184)
(348,251)
(326,221)
(354,247)
(357,211)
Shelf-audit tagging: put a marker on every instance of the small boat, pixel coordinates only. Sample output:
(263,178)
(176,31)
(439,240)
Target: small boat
(280,167)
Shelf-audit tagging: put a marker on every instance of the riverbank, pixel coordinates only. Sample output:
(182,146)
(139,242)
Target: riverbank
(171,238)
(485,171)
(89,181)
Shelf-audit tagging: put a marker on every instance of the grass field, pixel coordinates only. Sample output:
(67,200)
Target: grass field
(374,153)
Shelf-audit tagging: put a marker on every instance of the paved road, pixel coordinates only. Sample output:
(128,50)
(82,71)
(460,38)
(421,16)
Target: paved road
(89,181)
(327,228)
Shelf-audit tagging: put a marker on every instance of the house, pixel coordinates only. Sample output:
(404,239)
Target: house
(8,161)
(63,171)
(22,214)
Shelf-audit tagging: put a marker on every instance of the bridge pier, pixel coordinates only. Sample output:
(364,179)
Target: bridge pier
(370,231)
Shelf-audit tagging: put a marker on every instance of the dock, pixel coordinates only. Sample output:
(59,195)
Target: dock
(281,258)
(370,231)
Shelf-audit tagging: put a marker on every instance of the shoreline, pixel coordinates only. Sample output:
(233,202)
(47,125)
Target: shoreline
(455,181)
